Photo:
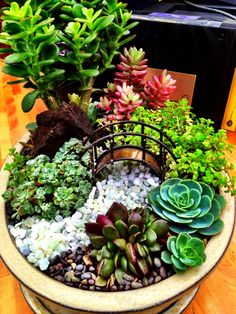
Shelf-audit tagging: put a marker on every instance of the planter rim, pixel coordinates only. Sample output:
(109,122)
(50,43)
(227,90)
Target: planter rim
(102,302)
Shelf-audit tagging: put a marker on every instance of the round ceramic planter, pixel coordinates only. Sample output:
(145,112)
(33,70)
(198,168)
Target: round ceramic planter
(59,298)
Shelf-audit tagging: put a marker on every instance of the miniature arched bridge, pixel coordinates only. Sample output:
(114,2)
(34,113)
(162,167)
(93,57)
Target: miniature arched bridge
(105,151)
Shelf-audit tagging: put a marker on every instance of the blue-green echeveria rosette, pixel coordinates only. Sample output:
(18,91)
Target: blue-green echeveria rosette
(183,252)
(189,206)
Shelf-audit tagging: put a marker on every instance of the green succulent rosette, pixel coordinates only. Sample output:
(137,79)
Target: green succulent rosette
(189,206)
(183,252)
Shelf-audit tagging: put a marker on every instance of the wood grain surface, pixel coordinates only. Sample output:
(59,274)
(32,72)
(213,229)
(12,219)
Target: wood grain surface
(217,295)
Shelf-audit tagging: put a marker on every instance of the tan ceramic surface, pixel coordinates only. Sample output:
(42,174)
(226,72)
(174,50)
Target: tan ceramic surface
(145,300)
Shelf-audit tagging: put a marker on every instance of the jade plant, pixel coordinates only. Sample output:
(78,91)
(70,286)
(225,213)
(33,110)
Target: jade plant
(189,206)
(56,42)
(183,252)
(125,242)
(47,188)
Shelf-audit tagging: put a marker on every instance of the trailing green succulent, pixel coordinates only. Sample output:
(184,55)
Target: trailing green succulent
(57,41)
(46,188)
(125,242)
(184,251)
(200,150)
(189,206)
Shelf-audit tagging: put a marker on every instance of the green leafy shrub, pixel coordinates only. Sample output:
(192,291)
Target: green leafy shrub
(46,188)
(184,251)
(189,205)
(53,42)
(200,150)
(126,242)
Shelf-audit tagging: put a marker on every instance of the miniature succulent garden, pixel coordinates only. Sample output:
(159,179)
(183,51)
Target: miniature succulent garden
(127,226)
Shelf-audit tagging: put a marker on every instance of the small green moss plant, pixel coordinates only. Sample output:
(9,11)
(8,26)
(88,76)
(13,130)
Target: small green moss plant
(47,188)
(200,150)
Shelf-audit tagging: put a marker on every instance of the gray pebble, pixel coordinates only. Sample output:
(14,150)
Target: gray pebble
(157,262)
(136,285)
(157,279)
(86,276)
(145,281)
(25,250)
(128,277)
(79,267)
(150,280)
(163,272)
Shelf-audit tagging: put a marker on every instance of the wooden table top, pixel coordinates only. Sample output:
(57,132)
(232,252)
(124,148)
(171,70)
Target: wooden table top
(217,295)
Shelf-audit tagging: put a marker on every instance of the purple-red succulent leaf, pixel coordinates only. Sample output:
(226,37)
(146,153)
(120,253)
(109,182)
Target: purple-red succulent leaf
(130,253)
(93,228)
(135,219)
(143,265)
(103,221)
(117,211)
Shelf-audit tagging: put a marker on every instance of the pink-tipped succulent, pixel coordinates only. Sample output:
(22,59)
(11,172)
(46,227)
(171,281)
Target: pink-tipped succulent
(133,68)
(125,242)
(120,104)
(157,92)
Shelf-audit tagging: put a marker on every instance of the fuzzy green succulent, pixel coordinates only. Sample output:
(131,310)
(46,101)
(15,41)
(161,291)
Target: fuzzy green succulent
(189,206)
(184,251)
(125,242)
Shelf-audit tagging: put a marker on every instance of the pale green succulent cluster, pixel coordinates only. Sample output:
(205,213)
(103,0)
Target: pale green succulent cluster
(44,187)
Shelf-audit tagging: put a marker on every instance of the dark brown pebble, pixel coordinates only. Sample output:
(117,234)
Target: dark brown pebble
(163,272)
(78,259)
(69,283)
(114,288)
(63,254)
(59,278)
(68,268)
(84,287)
(69,252)
(71,256)
(99,288)
(154,274)
(145,281)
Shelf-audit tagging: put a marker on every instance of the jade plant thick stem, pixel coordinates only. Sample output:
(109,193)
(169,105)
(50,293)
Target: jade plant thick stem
(53,42)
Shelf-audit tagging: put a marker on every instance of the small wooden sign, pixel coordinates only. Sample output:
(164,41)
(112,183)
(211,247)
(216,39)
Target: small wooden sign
(184,83)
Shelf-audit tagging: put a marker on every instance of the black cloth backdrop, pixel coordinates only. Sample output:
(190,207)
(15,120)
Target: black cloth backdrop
(207,52)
